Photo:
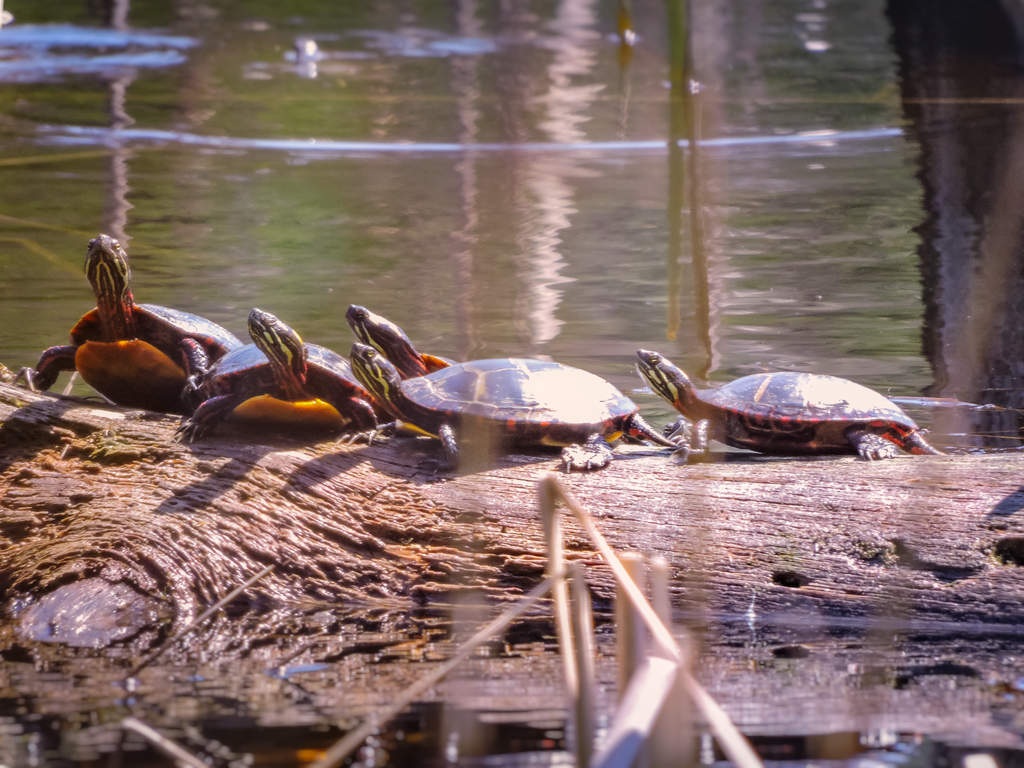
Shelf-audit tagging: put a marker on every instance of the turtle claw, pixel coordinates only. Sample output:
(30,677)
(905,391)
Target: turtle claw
(682,453)
(369,435)
(586,458)
(186,433)
(26,374)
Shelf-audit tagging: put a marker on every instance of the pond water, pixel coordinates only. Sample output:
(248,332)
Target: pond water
(389,170)
(496,178)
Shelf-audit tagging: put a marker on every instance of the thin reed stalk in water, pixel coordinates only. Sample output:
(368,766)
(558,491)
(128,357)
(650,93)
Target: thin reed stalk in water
(351,741)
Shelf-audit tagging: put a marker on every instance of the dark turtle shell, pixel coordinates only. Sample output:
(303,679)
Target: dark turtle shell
(147,371)
(248,366)
(531,400)
(798,412)
(245,384)
(171,325)
(164,328)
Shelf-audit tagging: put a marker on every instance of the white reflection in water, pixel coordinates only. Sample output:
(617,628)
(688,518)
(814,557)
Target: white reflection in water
(465,83)
(566,107)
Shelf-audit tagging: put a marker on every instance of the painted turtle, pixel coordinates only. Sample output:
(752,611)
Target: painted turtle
(787,413)
(519,402)
(136,355)
(279,378)
(391,341)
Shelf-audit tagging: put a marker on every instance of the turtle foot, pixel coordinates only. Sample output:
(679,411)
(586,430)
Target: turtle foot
(586,458)
(369,435)
(436,466)
(679,430)
(188,432)
(682,453)
(28,375)
(871,446)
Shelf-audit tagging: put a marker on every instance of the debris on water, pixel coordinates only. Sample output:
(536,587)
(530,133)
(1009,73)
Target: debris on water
(283,673)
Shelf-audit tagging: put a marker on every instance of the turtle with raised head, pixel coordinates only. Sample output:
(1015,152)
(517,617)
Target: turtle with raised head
(392,342)
(279,378)
(523,403)
(787,414)
(136,355)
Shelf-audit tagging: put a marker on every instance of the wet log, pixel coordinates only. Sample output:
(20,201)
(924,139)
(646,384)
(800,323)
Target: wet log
(93,491)
(832,584)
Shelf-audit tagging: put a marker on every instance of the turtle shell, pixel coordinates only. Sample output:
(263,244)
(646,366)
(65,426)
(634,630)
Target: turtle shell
(132,373)
(532,400)
(245,365)
(798,412)
(156,322)
(330,362)
(249,366)
(146,372)
(249,369)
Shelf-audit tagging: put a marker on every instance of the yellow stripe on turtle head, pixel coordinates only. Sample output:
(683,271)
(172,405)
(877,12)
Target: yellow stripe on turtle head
(279,342)
(106,268)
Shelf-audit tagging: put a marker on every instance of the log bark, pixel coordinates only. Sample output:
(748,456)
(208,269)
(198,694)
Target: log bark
(89,490)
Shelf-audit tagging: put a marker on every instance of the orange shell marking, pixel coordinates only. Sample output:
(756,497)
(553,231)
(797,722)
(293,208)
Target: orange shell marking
(309,414)
(132,373)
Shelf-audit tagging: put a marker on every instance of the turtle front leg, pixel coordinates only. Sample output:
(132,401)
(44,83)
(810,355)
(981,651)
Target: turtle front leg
(871,446)
(695,435)
(363,419)
(688,437)
(207,416)
(195,362)
(194,359)
(596,453)
(51,363)
(450,443)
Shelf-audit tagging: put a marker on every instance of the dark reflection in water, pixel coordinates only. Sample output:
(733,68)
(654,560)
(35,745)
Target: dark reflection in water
(962,84)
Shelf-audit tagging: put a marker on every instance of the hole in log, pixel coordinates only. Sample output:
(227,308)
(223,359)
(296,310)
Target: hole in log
(905,676)
(791,652)
(790,579)
(1010,551)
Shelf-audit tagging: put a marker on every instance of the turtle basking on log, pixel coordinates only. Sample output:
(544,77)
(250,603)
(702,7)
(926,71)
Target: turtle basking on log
(135,355)
(279,378)
(392,342)
(786,414)
(518,402)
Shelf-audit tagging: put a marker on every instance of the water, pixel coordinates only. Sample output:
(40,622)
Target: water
(495,179)
(485,251)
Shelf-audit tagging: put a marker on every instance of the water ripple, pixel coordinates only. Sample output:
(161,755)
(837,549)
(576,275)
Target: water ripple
(117,137)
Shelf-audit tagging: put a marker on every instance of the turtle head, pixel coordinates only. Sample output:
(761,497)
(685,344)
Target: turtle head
(665,379)
(280,343)
(106,267)
(376,373)
(388,339)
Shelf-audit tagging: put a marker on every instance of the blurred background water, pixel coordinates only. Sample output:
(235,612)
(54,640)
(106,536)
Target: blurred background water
(302,157)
